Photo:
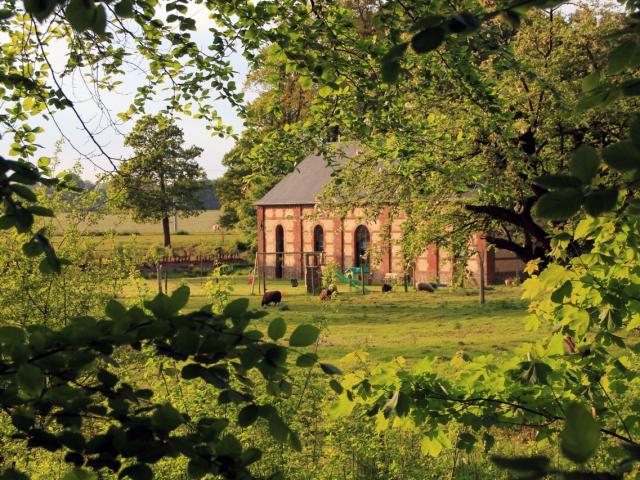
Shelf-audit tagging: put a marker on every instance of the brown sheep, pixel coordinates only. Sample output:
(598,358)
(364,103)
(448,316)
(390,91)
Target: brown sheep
(386,288)
(274,297)
(327,293)
(424,287)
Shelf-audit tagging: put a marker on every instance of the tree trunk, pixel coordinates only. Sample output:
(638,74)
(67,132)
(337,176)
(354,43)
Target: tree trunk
(167,231)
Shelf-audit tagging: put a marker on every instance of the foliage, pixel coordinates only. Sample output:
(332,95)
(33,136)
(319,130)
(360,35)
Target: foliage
(329,270)
(57,382)
(162,179)
(218,289)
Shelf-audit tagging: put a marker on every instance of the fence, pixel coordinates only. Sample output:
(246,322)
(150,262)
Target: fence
(295,267)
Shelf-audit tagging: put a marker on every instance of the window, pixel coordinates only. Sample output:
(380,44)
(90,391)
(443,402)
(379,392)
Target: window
(362,244)
(318,239)
(279,251)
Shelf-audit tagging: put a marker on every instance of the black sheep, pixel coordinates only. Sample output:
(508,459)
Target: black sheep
(424,287)
(274,297)
(386,288)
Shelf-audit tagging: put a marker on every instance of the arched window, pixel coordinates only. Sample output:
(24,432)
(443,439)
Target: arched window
(362,244)
(279,251)
(318,239)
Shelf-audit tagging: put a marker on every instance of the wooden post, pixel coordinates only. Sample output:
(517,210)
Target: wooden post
(264,275)
(481,293)
(254,273)
(159,275)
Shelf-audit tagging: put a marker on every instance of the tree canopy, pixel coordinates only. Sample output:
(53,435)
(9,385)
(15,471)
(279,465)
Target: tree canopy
(162,179)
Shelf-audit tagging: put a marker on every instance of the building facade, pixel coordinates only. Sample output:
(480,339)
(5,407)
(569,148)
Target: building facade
(292,237)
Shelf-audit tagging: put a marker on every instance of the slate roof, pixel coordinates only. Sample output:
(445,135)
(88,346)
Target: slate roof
(311,175)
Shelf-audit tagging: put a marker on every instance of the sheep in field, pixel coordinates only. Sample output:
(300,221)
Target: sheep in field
(274,297)
(424,287)
(386,288)
(327,293)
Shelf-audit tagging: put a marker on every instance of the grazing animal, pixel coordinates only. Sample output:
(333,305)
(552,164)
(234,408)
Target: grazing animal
(386,288)
(424,287)
(274,297)
(327,293)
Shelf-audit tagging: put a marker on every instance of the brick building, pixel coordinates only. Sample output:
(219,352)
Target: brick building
(291,235)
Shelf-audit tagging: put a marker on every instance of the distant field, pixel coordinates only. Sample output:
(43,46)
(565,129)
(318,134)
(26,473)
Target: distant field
(202,223)
(117,230)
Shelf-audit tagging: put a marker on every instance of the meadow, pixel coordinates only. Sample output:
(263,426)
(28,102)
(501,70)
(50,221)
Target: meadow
(114,230)
(386,325)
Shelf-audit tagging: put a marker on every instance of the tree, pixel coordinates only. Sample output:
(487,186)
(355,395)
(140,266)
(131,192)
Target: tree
(283,102)
(459,143)
(162,179)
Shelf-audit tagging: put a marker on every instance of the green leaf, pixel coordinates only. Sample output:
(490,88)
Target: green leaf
(511,18)
(236,308)
(330,369)
(229,446)
(591,82)
(30,380)
(10,335)
(39,9)
(166,419)
(559,204)
(124,9)
(40,211)
(13,474)
(557,182)
(306,360)
(6,13)
(115,310)
(279,430)
(99,24)
(107,378)
(180,297)
(635,131)
(581,435)
(23,418)
(7,221)
(584,163)
(24,192)
(622,156)
(248,415)
(79,474)
(304,335)
(532,464)
(81,14)
(601,201)
(620,57)
(32,248)
(139,471)
(391,71)
(277,328)
(428,39)
(186,341)
(336,387)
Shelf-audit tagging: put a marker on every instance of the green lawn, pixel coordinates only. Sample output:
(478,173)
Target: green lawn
(413,324)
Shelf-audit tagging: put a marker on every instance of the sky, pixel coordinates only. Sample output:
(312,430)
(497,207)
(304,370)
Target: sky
(71,151)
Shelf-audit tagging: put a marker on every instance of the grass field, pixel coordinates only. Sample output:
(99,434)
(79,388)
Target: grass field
(413,324)
(193,231)
(200,224)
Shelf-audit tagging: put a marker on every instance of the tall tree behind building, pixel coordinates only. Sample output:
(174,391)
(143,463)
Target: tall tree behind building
(282,103)
(162,179)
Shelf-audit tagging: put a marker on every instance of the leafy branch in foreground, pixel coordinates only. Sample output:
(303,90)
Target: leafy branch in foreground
(54,384)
